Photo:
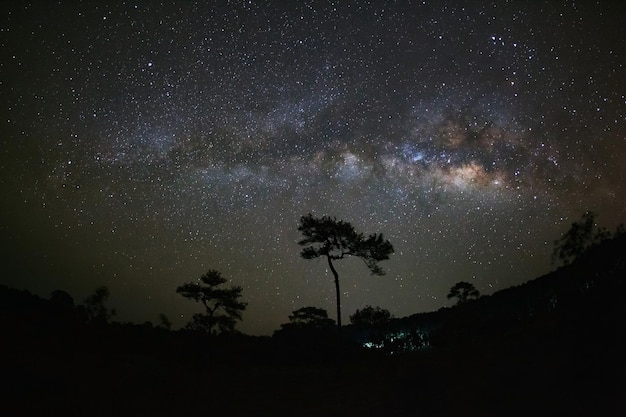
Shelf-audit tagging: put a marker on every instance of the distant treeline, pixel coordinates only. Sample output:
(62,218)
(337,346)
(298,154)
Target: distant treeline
(554,344)
(590,290)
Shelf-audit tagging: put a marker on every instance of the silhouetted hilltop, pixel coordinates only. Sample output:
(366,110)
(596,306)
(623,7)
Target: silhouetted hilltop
(553,344)
(589,291)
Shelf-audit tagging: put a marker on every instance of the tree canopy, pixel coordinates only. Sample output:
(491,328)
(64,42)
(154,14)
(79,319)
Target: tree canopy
(336,239)
(310,316)
(582,234)
(369,316)
(463,291)
(95,307)
(222,305)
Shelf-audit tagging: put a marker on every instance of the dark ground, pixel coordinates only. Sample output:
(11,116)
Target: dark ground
(549,368)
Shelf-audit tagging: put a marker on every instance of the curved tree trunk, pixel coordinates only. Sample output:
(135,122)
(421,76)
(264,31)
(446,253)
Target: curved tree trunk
(334,271)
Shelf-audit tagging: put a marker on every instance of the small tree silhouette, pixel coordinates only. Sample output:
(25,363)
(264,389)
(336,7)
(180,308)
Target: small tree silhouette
(370,316)
(165,322)
(464,291)
(95,308)
(581,236)
(334,239)
(373,322)
(222,305)
(309,336)
(310,317)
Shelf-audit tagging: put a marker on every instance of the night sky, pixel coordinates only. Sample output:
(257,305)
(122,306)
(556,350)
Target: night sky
(142,144)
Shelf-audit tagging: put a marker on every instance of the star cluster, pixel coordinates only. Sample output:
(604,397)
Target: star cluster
(143,144)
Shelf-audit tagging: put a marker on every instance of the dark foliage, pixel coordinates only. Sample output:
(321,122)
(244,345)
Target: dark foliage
(309,337)
(222,306)
(370,316)
(95,307)
(582,235)
(463,292)
(335,239)
(310,317)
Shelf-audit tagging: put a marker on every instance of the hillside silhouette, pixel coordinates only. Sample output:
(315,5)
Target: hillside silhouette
(552,346)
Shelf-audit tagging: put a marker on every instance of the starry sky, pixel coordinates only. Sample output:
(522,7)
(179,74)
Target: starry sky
(144,143)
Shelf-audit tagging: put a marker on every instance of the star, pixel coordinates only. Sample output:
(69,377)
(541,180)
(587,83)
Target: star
(143,145)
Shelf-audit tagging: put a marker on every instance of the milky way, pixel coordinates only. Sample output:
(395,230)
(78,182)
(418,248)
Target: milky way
(144,144)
